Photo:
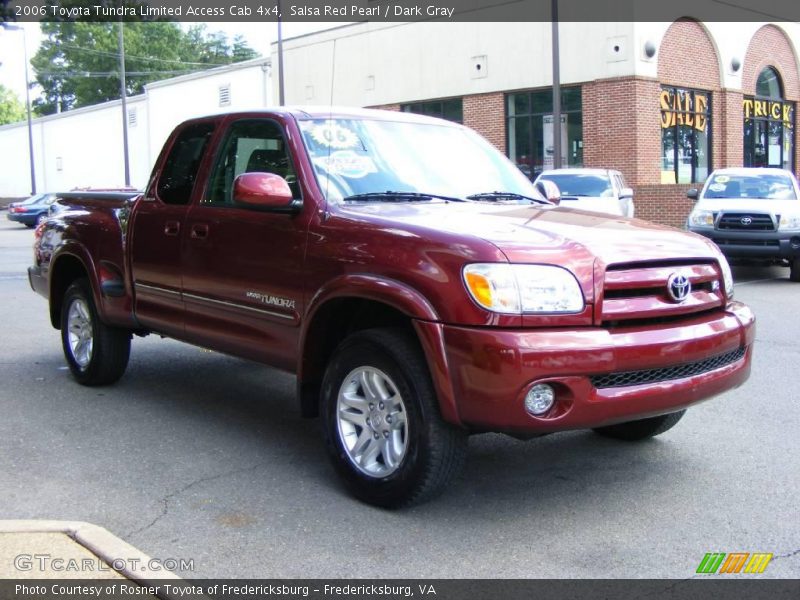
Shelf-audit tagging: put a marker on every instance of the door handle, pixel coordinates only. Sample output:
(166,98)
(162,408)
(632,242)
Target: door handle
(199,231)
(172,228)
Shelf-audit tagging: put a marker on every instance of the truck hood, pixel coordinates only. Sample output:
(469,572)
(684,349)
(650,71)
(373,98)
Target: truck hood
(756,205)
(557,235)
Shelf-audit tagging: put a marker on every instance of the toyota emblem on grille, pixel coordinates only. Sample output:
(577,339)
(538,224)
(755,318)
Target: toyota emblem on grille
(746,220)
(679,287)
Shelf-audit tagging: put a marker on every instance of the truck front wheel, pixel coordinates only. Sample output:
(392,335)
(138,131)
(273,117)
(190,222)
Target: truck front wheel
(96,353)
(794,270)
(381,421)
(633,431)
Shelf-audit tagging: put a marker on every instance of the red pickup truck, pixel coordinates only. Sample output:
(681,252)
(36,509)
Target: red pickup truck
(414,280)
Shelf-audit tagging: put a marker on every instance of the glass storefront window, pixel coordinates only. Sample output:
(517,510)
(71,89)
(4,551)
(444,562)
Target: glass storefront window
(451,109)
(685,135)
(768,124)
(531,131)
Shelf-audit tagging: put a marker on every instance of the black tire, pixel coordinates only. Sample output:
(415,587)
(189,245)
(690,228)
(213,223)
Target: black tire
(40,219)
(106,360)
(794,270)
(434,450)
(30,225)
(633,431)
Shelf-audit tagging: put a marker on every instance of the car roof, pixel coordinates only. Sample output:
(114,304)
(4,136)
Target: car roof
(577,171)
(743,171)
(303,113)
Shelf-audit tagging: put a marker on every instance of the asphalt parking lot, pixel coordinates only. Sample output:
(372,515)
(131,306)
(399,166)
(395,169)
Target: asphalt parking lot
(195,455)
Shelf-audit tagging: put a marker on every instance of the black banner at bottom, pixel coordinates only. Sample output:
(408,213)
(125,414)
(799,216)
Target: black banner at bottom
(400,589)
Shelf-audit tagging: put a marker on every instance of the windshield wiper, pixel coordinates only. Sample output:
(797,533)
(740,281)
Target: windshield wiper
(400,197)
(507,196)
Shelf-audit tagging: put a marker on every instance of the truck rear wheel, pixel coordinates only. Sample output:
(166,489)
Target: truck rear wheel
(633,431)
(96,353)
(794,270)
(381,421)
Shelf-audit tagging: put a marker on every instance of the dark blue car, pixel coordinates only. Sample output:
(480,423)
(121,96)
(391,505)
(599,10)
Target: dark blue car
(32,211)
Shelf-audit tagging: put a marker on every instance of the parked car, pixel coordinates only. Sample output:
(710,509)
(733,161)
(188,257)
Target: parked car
(417,298)
(32,211)
(751,213)
(597,190)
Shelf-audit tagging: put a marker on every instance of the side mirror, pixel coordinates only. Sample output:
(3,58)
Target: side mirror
(549,190)
(625,193)
(692,193)
(264,190)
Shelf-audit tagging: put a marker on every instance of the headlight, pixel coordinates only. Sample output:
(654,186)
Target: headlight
(701,218)
(789,222)
(727,276)
(516,289)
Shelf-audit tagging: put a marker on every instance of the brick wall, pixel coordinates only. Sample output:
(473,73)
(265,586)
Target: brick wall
(687,58)
(665,204)
(485,113)
(769,47)
(621,127)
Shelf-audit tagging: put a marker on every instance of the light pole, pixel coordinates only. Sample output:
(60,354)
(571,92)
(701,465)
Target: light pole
(557,141)
(11,27)
(281,93)
(123,94)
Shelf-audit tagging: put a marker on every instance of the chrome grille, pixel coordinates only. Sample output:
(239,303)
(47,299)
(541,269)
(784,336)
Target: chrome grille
(637,291)
(746,222)
(628,378)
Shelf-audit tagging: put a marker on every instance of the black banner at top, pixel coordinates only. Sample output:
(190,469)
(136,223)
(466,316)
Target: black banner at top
(342,11)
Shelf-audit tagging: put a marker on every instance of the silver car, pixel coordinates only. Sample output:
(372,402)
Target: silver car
(598,190)
(751,213)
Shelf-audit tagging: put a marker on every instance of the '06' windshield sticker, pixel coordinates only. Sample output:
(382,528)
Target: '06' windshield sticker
(332,135)
(347,163)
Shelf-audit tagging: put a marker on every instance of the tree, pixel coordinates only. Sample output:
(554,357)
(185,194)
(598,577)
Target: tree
(78,62)
(11,109)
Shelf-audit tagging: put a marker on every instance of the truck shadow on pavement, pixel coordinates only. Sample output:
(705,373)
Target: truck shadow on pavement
(248,414)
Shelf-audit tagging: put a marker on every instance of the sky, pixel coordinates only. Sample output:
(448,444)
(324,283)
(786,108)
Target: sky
(258,34)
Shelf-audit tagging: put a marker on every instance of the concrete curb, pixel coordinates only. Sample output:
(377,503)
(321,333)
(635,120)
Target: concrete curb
(103,544)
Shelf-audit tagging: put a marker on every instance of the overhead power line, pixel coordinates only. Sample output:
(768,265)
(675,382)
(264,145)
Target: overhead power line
(134,57)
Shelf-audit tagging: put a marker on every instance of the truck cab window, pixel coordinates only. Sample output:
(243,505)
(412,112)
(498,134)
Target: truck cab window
(251,146)
(180,168)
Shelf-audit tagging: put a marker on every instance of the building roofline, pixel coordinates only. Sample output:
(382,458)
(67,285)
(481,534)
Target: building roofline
(76,111)
(245,64)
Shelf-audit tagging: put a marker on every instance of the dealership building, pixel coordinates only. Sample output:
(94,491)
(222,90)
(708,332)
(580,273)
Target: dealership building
(665,103)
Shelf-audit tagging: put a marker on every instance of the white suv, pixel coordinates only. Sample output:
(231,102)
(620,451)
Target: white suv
(598,190)
(751,213)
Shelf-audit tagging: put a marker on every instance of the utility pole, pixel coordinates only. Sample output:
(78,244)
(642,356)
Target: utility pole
(21,29)
(281,93)
(556,90)
(123,92)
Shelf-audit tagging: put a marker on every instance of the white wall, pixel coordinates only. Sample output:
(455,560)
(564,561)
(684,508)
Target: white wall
(83,147)
(416,61)
(173,101)
(387,63)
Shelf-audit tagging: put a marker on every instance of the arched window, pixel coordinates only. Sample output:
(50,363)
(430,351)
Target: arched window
(768,124)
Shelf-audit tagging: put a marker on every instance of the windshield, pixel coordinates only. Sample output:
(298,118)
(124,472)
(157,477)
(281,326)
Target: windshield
(34,199)
(360,156)
(768,186)
(575,184)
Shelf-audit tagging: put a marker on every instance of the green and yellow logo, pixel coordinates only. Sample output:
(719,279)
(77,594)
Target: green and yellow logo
(735,562)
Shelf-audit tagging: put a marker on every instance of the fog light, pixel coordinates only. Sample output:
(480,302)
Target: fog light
(540,399)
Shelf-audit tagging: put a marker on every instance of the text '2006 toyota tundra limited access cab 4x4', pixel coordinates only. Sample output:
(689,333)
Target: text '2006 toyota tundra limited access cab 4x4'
(411,277)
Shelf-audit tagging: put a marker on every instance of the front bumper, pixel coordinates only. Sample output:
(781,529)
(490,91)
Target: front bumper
(491,370)
(754,244)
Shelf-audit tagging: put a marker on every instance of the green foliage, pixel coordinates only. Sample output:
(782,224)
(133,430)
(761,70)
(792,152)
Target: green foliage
(11,109)
(78,62)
